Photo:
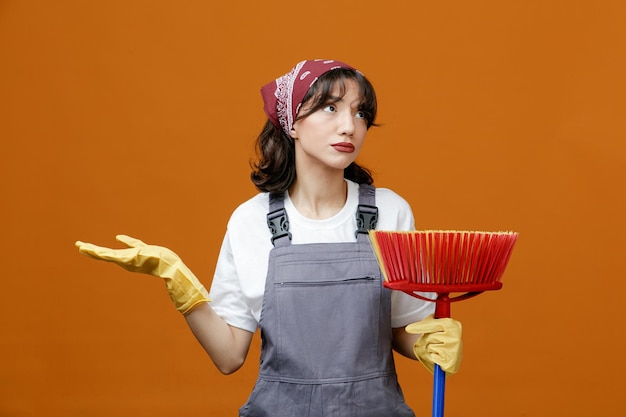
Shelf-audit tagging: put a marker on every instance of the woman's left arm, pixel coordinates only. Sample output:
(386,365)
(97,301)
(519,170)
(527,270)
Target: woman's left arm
(403,342)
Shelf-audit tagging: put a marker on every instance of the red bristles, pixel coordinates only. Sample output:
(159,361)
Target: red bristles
(443,261)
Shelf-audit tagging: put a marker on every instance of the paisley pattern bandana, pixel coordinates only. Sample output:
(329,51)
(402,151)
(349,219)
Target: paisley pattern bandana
(283,97)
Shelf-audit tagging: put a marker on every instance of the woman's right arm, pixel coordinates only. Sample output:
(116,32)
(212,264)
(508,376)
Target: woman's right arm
(226,345)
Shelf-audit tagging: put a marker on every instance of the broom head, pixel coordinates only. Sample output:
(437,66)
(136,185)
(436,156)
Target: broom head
(442,261)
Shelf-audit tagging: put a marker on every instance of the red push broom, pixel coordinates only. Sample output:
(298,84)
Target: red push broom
(443,262)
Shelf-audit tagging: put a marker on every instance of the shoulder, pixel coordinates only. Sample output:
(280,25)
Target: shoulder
(385,198)
(394,211)
(389,198)
(252,209)
(249,220)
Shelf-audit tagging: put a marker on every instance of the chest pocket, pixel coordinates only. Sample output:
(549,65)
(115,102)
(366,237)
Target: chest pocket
(327,315)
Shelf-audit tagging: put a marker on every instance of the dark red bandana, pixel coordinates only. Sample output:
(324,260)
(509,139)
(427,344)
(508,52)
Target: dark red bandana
(283,97)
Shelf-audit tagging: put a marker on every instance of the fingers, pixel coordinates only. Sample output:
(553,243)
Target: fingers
(130,241)
(127,240)
(432,325)
(426,325)
(85,248)
(421,328)
(105,254)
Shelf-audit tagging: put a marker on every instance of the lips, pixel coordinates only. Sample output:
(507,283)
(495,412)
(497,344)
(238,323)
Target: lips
(343,147)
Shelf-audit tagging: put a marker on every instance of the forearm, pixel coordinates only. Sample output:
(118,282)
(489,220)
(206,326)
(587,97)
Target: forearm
(227,346)
(403,342)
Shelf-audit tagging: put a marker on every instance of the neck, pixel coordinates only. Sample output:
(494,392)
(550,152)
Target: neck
(318,199)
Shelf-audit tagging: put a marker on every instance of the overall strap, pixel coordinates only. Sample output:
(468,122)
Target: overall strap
(277,220)
(367,212)
(366,216)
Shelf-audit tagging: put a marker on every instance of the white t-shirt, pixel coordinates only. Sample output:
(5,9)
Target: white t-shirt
(239,281)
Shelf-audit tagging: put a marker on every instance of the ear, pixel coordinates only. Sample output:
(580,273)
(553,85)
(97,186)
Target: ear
(293,133)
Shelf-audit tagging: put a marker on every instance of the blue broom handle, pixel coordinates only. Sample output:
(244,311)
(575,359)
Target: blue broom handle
(442,310)
(439,391)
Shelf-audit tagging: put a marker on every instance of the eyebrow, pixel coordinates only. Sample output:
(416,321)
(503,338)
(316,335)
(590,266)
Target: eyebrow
(335,99)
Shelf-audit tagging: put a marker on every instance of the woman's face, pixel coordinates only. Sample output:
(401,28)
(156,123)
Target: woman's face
(332,136)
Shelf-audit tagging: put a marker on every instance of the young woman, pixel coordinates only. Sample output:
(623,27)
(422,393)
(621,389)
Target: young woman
(296,262)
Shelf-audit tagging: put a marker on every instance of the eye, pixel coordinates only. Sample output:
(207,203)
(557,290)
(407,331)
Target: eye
(363,115)
(329,108)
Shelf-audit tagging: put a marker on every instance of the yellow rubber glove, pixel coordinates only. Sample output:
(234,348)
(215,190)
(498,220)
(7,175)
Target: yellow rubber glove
(439,343)
(182,285)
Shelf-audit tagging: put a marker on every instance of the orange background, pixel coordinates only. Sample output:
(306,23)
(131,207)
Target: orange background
(139,118)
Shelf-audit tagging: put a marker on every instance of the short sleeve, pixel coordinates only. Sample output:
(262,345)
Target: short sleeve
(228,298)
(406,309)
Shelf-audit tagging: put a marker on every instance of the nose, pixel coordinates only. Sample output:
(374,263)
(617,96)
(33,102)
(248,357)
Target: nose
(346,123)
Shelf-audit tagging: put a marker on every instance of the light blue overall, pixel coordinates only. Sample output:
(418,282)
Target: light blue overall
(325,328)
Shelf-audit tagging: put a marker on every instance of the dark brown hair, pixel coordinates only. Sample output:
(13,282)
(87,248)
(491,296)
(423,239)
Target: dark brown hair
(275,168)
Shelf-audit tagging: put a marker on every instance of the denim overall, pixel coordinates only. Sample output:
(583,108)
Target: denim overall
(325,328)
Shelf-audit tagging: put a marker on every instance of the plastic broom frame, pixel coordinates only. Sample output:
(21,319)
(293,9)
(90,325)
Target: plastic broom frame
(443,262)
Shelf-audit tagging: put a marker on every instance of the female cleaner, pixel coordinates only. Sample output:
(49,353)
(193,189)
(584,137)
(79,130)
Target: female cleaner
(296,262)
